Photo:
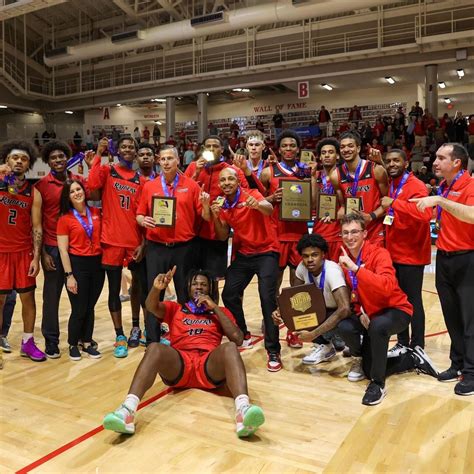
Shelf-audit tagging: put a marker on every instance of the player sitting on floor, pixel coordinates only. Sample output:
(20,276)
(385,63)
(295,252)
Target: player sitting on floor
(197,359)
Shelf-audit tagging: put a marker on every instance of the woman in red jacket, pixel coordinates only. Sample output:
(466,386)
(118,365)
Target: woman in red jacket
(79,246)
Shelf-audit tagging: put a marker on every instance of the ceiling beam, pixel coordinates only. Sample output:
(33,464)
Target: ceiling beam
(129,11)
(170,9)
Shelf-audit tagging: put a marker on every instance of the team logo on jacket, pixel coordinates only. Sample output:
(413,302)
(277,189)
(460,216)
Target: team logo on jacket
(301,301)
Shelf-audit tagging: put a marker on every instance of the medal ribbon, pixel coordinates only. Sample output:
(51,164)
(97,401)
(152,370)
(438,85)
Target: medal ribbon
(327,186)
(353,276)
(165,186)
(87,226)
(322,279)
(397,191)
(259,169)
(446,194)
(228,205)
(355,180)
(78,158)
(302,170)
(195,309)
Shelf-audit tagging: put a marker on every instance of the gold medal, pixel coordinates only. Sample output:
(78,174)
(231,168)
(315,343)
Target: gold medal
(353,297)
(437,226)
(12,189)
(388,220)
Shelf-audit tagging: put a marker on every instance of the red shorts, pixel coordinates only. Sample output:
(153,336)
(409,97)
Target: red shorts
(194,371)
(116,256)
(14,272)
(288,254)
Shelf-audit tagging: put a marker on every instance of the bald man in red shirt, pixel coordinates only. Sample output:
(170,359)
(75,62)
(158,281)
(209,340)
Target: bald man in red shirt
(248,213)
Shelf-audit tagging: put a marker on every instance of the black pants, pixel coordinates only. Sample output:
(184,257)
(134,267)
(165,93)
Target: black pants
(455,285)
(374,345)
(8,309)
(52,288)
(238,277)
(90,280)
(410,279)
(160,259)
(211,255)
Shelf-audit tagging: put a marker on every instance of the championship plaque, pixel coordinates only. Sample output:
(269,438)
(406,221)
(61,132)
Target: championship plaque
(306,156)
(163,210)
(296,200)
(353,204)
(302,307)
(327,206)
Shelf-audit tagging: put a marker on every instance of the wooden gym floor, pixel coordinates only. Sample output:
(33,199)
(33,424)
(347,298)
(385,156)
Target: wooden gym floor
(52,412)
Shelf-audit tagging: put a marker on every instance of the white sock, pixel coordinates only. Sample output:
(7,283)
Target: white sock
(241,401)
(26,336)
(131,402)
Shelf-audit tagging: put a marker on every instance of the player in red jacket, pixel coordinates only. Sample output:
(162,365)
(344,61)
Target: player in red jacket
(381,310)
(196,358)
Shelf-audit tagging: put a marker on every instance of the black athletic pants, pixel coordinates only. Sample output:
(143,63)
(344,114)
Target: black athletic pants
(52,288)
(90,278)
(455,285)
(374,345)
(410,279)
(238,277)
(159,259)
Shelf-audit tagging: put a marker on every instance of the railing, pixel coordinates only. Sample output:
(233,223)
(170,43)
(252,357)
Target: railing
(396,32)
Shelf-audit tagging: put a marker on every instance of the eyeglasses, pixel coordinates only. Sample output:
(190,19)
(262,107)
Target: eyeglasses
(347,233)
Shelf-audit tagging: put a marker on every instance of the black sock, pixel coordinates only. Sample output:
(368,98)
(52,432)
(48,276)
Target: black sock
(119,331)
(136,323)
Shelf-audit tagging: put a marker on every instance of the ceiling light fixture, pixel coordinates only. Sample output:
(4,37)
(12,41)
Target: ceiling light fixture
(447,100)
(442,85)
(69,112)
(157,122)
(390,80)
(3,107)
(460,73)
(237,89)
(327,87)
(245,90)
(119,105)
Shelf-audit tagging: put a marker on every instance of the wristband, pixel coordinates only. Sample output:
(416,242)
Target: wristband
(373,216)
(67,274)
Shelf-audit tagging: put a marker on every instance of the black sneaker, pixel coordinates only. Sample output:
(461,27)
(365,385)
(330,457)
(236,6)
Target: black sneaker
(338,343)
(74,353)
(449,375)
(5,345)
(423,363)
(93,343)
(465,387)
(374,394)
(134,339)
(52,351)
(92,352)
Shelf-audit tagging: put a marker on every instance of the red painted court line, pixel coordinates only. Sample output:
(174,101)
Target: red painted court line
(84,437)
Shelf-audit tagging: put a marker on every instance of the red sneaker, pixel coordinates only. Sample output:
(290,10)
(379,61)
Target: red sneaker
(274,362)
(293,340)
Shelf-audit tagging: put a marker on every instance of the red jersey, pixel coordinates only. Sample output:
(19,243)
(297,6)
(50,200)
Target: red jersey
(119,187)
(287,231)
(377,284)
(194,331)
(254,231)
(368,190)
(209,177)
(188,209)
(79,242)
(50,189)
(454,234)
(331,231)
(408,239)
(16,234)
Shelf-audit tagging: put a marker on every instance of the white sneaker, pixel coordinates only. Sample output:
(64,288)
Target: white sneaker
(356,372)
(320,353)
(247,342)
(396,350)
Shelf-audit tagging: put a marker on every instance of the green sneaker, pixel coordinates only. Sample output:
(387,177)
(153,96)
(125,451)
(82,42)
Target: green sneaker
(121,348)
(249,420)
(120,421)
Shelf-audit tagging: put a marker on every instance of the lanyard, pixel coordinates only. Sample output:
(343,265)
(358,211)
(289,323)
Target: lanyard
(259,169)
(446,194)
(397,191)
(322,279)
(356,177)
(195,309)
(228,205)
(87,226)
(353,276)
(165,186)
(327,186)
(301,169)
